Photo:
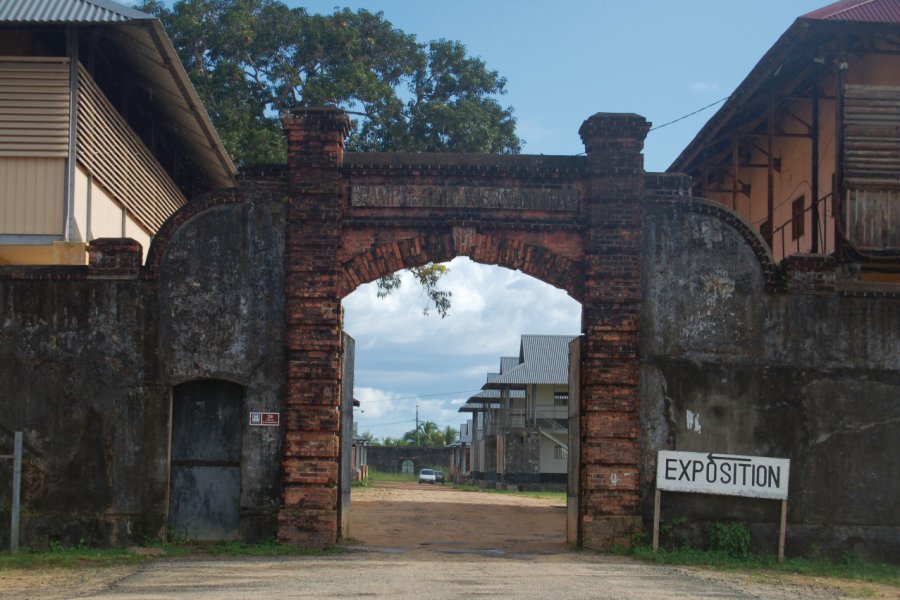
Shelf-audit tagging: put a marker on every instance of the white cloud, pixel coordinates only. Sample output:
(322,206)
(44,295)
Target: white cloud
(703,87)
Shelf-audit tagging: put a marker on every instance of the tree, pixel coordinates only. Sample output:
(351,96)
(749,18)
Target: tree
(251,59)
(429,434)
(450,435)
(370,438)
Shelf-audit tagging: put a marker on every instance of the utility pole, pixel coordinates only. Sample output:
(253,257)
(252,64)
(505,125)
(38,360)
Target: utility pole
(417,425)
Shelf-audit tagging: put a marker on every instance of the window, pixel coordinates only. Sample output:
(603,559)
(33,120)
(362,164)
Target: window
(560,398)
(798,208)
(765,230)
(560,453)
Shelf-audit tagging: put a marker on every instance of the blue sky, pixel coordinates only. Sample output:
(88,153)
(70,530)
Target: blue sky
(563,62)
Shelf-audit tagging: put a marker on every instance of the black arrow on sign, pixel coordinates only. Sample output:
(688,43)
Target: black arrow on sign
(713,457)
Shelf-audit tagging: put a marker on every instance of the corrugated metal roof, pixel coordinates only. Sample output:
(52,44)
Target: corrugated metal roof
(67,11)
(544,359)
(860,11)
(494,394)
(507,363)
(150,60)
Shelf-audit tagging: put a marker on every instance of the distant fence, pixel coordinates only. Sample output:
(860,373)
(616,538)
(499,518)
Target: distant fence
(390,459)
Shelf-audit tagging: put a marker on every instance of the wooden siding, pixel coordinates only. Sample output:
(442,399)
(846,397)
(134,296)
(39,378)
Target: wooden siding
(118,160)
(872,167)
(31,195)
(872,136)
(34,107)
(873,219)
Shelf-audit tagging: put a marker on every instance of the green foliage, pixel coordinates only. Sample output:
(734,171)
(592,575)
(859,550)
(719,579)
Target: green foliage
(250,59)
(667,527)
(428,277)
(732,539)
(428,434)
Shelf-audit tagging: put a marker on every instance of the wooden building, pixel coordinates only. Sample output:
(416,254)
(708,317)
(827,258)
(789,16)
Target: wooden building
(807,148)
(101,131)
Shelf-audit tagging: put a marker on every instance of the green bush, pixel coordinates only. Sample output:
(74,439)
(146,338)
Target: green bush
(732,539)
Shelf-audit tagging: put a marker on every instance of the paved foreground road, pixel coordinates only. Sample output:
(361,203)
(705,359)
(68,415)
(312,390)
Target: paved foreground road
(428,574)
(412,541)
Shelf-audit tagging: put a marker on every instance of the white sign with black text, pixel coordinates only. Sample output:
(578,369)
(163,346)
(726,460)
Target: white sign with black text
(726,474)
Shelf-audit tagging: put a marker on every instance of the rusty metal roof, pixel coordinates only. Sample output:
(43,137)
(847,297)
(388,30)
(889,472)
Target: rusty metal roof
(861,11)
(67,11)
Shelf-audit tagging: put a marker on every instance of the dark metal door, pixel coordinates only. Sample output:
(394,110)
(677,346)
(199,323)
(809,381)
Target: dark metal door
(205,485)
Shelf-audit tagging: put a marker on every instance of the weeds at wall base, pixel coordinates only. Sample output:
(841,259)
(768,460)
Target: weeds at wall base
(849,567)
(82,557)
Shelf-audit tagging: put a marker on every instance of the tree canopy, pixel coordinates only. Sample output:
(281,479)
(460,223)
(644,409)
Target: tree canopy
(250,59)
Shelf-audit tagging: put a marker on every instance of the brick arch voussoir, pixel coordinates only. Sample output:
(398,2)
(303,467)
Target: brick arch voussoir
(536,261)
(167,231)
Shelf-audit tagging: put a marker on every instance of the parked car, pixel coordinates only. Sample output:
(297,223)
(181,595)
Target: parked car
(439,477)
(427,476)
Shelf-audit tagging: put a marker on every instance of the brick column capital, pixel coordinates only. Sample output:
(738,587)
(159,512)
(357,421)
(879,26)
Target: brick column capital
(323,120)
(315,138)
(616,132)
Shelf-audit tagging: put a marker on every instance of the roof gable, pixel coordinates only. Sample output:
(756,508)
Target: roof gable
(544,360)
(863,11)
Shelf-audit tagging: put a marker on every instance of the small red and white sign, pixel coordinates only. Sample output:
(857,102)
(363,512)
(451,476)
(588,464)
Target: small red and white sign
(265,419)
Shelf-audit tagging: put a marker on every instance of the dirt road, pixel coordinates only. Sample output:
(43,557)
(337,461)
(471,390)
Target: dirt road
(427,542)
(440,518)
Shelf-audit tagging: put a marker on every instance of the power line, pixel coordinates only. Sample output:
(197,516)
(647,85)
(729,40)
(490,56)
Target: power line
(690,114)
(394,423)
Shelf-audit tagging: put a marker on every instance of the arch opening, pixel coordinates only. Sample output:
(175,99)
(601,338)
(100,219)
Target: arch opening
(407,363)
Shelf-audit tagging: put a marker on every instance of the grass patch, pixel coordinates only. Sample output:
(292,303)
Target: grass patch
(560,496)
(81,557)
(381,476)
(68,558)
(270,548)
(849,567)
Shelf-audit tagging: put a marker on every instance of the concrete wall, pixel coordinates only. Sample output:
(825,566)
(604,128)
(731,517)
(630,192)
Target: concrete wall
(388,459)
(786,368)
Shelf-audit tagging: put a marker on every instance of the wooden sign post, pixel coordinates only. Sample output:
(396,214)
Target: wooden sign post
(723,474)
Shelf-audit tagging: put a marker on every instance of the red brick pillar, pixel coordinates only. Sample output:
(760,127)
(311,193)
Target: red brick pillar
(610,481)
(313,343)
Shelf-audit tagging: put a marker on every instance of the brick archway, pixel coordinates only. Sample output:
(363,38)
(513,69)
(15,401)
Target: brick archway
(488,249)
(574,222)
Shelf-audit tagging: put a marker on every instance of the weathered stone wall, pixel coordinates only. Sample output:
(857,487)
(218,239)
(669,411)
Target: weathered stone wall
(389,459)
(77,366)
(221,304)
(739,358)
(89,356)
